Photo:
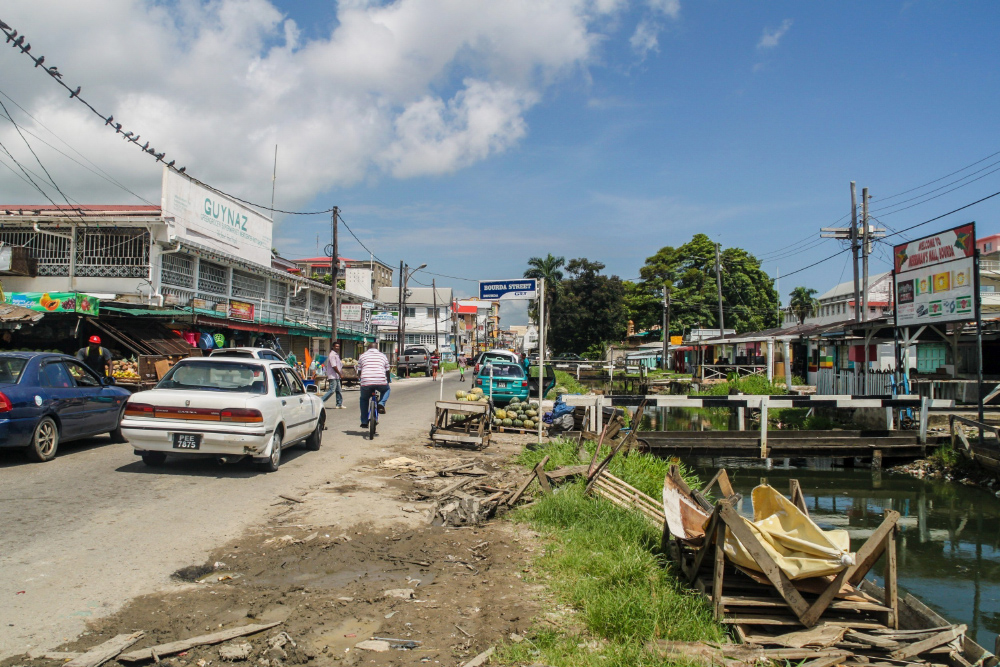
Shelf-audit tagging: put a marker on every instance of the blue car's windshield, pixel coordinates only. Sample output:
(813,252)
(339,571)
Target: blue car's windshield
(215,376)
(11,369)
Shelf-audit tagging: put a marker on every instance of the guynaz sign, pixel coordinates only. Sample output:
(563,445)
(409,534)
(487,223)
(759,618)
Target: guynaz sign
(207,217)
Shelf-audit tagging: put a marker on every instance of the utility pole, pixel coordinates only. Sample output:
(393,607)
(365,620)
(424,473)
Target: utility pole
(854,251)
(334,270)
(718,285)
(399,323)
(434,302)
(865,250)
(777,289)
(666,325)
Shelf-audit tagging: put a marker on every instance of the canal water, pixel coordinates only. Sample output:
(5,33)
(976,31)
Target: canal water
(949,545)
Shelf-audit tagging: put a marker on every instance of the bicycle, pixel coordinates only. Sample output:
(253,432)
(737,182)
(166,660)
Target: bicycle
(373,413)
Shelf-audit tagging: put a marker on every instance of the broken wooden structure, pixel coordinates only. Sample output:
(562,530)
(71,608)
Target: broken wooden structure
(473,429)
(765,608)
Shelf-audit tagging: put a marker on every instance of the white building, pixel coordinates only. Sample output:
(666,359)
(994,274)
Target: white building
(420,316)
(837,304)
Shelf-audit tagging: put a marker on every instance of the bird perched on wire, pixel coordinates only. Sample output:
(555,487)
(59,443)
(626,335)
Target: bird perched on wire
(171,163)
(19,41)
(54,71)
(40,60)
(76,93)
(110,120)
(159,157)
(4,26)
(11,36)
(146,147)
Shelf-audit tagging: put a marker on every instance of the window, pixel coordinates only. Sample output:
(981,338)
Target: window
(434,314)
(11,369)
(411,312)
(281,387)
(55,374)
(212,278)
(84,376)
(115,252)
(294,382)
(216,375)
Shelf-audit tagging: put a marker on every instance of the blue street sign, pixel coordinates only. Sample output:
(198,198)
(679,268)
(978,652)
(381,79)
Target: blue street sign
(500,290)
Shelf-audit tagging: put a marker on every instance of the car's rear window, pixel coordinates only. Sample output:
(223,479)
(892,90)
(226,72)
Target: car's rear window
(234,353)
(497,357)
(11,369)
(209,376)
(502,370)
(415,350)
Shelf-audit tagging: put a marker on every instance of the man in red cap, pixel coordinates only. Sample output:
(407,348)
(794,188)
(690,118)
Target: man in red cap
(97,358)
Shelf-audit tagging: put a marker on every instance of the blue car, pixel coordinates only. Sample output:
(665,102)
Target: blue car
(46,399)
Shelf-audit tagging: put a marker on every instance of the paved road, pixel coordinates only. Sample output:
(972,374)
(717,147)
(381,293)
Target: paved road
(82,534)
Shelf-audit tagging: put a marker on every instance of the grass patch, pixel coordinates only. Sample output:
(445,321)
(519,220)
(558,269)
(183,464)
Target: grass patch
(757,385)
(946,455)
(605,562)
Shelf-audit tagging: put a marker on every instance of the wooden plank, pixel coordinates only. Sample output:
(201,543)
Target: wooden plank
(735,601)
(720,568)
(828,661)
(201,640)
(543,480)
(891,591)
(567,471)
(629,497)
(917,648)
(796,496)
(597,451)
(101,653)
(448,437)
(817,608)
(451,488)
(711,534)
(624,504)
(527,482)
(872,549)
(770,569)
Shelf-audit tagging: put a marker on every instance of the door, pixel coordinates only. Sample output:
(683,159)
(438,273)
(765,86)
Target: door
(291,409)
(100,404)
(65,397)
(305,418)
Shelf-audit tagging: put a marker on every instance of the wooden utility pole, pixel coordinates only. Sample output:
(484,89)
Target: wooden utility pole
(666,325)
(854,251)
(334,270)
(718,285)
(865,249)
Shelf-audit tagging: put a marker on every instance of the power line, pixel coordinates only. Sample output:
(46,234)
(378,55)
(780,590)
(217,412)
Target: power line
(994,164)
(960,208)
(938,179)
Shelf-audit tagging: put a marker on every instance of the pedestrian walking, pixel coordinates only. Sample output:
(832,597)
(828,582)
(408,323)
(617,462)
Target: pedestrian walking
(435,364)
(334,368)
(462,361)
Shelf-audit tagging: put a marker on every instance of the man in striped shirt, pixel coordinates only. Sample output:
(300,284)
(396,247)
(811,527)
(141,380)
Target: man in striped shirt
(373,373)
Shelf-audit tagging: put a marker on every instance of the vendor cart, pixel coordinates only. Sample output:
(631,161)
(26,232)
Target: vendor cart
(460,423)
(349,376)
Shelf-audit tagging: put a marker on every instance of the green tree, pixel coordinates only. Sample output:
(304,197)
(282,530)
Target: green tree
(590,309)
(803,303)
(549,268)
(643,305)
(748,296)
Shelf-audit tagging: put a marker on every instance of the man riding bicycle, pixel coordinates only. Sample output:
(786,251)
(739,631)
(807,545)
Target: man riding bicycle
(373,373)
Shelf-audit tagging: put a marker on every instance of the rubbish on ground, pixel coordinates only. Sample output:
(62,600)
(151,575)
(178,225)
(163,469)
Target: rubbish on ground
(281,639)
(373,645)
(480,659)
(235,652)
(399,643)
(101,653)
(202,640)
(294,499)
(403,593)
(463,631)
(404,463)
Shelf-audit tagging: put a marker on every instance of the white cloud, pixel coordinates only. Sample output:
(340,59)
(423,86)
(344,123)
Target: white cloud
(671,8)
(770,38)
(645,38)
(399,89)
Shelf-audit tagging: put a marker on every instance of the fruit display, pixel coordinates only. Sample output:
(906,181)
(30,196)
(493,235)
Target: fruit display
(125,370)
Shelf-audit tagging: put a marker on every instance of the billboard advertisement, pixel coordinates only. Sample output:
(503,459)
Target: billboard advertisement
(501,290)
(56,302)
(385,318)
(204,216)
(241,310)
(935,278)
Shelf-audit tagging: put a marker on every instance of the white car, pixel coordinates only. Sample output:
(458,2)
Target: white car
(247,352)
(227,408)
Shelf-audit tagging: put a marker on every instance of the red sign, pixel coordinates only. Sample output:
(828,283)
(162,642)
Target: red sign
(946,246)
(241,310)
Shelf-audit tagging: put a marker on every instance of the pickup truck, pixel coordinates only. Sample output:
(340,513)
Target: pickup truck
(414,358)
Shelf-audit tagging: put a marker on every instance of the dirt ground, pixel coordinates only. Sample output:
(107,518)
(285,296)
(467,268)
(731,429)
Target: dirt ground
(446,592)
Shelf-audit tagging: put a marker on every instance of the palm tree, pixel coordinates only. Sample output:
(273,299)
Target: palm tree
(803,303)
(549,268)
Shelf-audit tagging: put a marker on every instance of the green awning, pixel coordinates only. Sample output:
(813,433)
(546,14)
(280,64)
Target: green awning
(145,312)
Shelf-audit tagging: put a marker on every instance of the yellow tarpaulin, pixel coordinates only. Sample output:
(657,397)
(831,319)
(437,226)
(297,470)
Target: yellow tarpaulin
(799,547)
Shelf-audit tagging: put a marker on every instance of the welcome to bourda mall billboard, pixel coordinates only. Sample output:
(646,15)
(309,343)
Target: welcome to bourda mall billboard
(935,278)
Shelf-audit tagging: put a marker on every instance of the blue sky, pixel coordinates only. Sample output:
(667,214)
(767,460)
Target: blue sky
(753,145)
(627,127)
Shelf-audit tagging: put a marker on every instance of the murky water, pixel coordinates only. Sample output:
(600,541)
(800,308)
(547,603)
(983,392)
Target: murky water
(949,545)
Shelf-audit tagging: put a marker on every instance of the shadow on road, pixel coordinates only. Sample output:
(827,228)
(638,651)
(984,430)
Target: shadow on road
(15,456)
(208,466)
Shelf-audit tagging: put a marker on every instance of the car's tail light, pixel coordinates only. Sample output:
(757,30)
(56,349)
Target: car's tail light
(479,381)
(5,404)
(524,384)
(139,410)
(241,416)
(477,370)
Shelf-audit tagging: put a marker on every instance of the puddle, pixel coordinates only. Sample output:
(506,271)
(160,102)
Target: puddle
(360,629)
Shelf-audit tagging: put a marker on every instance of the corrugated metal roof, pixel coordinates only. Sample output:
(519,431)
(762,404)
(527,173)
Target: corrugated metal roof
(90,209)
